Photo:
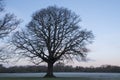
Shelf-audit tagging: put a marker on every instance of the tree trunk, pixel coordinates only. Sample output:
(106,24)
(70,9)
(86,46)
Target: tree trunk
(50,70)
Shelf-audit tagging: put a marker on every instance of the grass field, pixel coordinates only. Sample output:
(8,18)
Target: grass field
(37,78)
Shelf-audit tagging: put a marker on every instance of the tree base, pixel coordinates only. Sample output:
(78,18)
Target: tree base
(49,76)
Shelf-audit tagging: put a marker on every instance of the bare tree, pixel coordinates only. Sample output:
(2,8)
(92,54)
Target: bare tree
(53,34)
(8,23)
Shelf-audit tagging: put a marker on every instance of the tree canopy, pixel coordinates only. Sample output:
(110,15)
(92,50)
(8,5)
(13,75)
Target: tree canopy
(8,23)
(53,34)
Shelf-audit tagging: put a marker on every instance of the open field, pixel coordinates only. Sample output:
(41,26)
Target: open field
(39,78)
(60,76)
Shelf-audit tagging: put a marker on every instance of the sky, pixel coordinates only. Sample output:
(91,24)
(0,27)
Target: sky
(102,17)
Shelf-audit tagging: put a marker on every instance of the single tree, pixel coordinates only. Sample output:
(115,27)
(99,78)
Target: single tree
(53,34)
(8,23)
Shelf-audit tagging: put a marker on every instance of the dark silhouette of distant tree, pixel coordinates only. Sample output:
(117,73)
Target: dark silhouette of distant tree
(8,23)
(59,68)
(53,34)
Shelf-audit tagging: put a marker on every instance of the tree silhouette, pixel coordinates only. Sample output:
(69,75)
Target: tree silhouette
(53,34)
(8,23)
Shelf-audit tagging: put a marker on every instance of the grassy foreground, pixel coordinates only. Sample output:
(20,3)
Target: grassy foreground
(37,78)
(69,78)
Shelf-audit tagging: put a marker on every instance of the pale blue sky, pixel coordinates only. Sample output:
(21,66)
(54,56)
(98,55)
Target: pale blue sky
(100,16)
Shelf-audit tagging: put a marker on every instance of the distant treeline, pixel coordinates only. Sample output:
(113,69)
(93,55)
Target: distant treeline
(59,68)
